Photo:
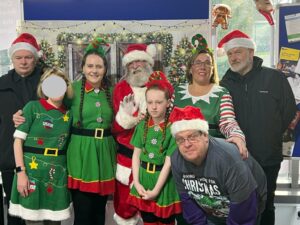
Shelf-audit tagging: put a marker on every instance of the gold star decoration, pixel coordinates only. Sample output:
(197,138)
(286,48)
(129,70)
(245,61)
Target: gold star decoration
(33,164)
(66,118)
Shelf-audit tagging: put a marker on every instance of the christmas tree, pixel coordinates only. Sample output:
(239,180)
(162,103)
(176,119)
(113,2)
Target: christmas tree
(48,55)
(179,61)
(61,57)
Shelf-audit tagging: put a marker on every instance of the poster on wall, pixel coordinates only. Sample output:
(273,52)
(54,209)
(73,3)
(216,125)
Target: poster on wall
(292,27)
(289,61)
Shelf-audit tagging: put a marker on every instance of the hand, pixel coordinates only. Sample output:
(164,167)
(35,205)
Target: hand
(240,143)
(22,183)
(18,119)
(140,189)
(129,105)
(150,195)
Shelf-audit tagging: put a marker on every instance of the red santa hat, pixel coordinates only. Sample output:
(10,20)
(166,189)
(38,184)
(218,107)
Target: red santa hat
(25,42)
(236,39)
(140,52)
(187,118)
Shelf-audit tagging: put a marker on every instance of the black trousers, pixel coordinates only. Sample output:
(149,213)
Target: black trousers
(268,216)
(7,180)
(89,208)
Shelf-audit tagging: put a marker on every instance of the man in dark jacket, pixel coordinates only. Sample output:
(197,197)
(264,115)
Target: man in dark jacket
(264,106)
(17,87)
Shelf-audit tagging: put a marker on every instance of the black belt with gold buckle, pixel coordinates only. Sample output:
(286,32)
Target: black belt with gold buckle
(151,167)
(44,151)
(97,133)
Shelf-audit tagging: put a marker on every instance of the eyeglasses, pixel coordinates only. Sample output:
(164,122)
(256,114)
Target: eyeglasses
(193,138)
(206,64)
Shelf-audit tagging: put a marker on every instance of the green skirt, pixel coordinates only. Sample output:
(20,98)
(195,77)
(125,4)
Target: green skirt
(92,164)
(166,204)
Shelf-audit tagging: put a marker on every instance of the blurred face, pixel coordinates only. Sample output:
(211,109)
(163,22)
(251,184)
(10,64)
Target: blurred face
(24,62)
(94,70)
(138,73)
(193,145)
(56,101)
(157,104)
(202,69)
(240,59)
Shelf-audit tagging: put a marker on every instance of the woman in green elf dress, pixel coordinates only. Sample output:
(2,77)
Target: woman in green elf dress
(92,150)
(154,191)
(40,194)
(203,91)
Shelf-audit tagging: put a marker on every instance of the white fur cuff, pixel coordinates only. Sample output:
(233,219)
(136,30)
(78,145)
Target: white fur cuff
(121,221)
(20,134)
(123,174)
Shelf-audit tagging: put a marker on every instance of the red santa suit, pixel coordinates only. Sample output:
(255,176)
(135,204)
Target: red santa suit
(123,128)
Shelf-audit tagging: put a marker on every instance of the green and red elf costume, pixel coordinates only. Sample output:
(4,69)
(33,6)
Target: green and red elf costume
(45,133)
(92,148)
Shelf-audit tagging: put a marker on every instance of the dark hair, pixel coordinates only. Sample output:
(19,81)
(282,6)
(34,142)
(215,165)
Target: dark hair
(214,77)
(105,84)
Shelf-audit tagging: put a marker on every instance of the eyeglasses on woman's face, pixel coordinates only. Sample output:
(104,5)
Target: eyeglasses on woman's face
(206,64)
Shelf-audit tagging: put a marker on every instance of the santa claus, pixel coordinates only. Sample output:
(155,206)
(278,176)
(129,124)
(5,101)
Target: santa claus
(129,108)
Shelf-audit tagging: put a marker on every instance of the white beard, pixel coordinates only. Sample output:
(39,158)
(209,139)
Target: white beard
(139,77)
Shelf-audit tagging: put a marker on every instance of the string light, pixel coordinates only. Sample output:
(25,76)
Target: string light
(115,24)
(162,39)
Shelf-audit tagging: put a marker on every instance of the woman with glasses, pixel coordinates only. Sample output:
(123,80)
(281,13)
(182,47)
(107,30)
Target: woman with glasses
(203,91)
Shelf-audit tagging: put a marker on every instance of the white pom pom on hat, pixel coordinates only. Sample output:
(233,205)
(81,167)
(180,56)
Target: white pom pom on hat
(141,52)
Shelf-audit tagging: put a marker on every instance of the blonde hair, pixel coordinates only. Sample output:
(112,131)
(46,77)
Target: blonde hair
(56,72)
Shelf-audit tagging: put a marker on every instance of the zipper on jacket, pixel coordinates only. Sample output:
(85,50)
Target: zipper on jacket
(246,87)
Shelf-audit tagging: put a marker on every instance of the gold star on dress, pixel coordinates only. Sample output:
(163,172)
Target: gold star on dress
(33,164)
(66,118)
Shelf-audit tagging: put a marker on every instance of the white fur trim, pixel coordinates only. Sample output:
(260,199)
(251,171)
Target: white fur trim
(20,134)
(123,174)
(151,50)
(41,214)
(137,55)
(239,42)
(221,52)
(22,46)
(196,124)
(124,120)
(121,221)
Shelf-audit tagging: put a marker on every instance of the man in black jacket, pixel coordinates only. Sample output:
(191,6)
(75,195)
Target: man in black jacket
(264,106)
(17,87)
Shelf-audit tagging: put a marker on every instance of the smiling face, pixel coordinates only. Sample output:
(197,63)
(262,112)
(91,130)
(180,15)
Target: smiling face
(201,69)
(157,104)
(94,69)
(24,62)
